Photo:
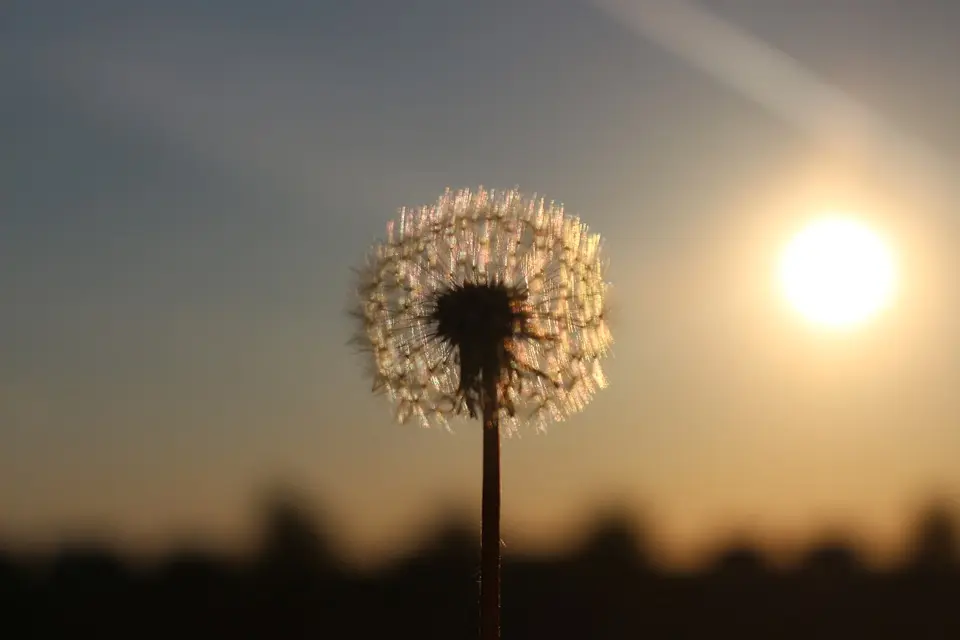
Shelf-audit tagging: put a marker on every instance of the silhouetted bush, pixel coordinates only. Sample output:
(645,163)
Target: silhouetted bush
(740,562)
(832,559)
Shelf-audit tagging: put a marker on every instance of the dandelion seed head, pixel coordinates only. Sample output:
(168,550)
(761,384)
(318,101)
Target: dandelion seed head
(485,285)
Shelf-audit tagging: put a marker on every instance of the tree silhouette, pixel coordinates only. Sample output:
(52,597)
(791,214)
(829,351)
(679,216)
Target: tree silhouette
(936,541)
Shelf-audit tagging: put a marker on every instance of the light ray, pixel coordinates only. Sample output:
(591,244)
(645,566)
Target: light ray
(778,82)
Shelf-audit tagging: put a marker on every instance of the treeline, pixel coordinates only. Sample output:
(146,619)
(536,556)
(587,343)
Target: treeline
(296,586)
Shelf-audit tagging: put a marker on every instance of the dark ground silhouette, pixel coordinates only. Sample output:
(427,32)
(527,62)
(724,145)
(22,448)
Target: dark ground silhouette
(295,586)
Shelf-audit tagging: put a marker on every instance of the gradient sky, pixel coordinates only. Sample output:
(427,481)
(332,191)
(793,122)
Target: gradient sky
(184,187)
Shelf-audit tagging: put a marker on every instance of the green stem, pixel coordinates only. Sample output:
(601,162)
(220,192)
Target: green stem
(490,515)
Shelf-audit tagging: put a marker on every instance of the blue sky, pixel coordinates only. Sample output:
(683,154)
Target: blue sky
(185,186)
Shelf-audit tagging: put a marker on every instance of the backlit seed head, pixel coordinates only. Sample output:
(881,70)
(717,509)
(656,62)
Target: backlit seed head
(485,286)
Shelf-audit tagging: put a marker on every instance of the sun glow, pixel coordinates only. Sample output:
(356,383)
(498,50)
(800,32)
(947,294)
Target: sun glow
(837,272)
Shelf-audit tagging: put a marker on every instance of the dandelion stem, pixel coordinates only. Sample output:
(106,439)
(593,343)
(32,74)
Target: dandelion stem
(490,513)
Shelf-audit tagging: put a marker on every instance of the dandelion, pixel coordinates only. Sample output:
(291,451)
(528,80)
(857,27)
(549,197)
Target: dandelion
(490,305)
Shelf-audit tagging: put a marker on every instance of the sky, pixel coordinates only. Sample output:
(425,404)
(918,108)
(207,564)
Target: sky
(185,187)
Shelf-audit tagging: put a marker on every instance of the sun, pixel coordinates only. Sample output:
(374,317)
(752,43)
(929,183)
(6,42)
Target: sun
(837,272)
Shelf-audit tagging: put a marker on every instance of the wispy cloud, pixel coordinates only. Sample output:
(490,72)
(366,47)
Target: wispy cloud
(255,118)
(782,84)
(287,121)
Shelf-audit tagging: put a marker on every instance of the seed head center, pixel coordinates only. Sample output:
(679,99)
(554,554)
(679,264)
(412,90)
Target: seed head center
(479,320)
(477,316)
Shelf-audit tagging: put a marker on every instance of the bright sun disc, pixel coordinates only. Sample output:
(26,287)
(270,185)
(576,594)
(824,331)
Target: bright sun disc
(837,272)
